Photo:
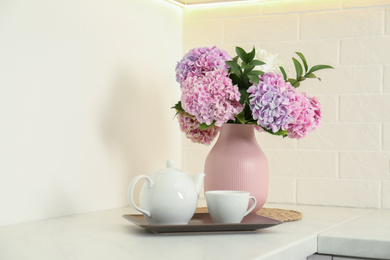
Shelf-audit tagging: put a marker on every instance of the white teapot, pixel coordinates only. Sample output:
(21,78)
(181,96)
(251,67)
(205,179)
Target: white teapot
(168,197)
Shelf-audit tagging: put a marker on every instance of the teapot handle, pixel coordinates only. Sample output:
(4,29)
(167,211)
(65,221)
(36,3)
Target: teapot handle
(131,189)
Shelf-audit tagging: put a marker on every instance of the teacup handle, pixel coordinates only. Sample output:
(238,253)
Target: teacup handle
(131,189)
(253,205)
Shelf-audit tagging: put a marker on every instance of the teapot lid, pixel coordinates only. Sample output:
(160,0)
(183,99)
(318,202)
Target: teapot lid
(170,163)
(170,167)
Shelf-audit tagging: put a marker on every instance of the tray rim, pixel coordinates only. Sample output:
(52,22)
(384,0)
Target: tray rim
(204,227)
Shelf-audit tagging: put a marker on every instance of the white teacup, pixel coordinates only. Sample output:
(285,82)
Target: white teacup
(229,206)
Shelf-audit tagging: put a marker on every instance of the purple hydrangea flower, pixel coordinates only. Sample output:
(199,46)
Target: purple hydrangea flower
(200,60)
(271,101)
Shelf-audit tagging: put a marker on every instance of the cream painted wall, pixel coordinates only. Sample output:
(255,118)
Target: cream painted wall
(346,161)
(86,88)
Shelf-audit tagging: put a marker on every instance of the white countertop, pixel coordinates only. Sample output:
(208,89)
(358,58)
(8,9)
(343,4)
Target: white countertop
(367,235)
(106,235)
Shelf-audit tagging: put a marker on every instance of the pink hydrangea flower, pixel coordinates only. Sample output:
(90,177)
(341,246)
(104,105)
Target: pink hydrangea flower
(306,114)
(211,98)
(271,102)
(190,126)
(200,60)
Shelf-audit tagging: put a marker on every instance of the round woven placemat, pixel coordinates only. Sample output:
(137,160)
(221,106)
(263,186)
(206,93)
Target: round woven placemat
(283,215)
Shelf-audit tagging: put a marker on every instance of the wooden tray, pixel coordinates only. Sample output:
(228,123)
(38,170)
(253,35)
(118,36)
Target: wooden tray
(202,222)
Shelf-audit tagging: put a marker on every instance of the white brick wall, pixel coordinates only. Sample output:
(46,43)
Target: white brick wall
(386,79)
(346,161)
(261,28)
(360,22)
(365,51)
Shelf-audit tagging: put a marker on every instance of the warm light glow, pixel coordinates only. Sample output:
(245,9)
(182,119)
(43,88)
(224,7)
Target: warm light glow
(186,4)
(175,3)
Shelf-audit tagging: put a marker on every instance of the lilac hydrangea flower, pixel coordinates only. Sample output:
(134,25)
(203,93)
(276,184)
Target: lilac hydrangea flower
(306,114)
(270,102)
(190,126)
(211,97)
(200,60)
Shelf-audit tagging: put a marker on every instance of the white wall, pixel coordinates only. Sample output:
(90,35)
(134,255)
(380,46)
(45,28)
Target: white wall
(346,161)
(85,94)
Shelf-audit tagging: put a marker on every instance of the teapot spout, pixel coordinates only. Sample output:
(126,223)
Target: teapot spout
(198,179)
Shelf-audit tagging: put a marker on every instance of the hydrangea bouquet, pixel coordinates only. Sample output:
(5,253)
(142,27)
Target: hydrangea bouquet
(251,88)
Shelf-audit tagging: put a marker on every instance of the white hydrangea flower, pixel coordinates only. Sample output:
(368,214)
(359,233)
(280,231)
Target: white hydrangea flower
(272,61)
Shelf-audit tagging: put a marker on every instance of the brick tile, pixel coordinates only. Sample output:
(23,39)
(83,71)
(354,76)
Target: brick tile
(292,6)
(329,108)
(316,52)
(386,137)
(298,163)
(363,3)
(231,48)
(360,51)
(387,21)
(365,108)
(341,24)
(346,80)
(272,28)
(364,165)
(386,194)
(194,158)
(386,79)
(347,193)
(268,141)
(282,190)
(338,136)
(222,11)
(202,32)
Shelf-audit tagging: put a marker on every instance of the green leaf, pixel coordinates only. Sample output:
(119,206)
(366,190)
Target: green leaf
(247,67)
(235,59)
(244,96)
(245,84)
(280,132)
(178,107)
(319,67)
(242,54)
(298,68)
(292,81)
(235,67)
(283,72)
(303,60)
(256,63)
(295,83)
(241,117)
(251,65)
(203,126)
(256,72)
(235,79)
(253,78)
(311,76)
(251,55)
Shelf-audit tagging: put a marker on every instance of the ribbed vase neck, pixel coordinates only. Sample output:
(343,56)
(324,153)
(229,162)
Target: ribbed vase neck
(237,131)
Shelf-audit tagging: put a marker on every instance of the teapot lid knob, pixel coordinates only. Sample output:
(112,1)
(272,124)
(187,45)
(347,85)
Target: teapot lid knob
(170,163)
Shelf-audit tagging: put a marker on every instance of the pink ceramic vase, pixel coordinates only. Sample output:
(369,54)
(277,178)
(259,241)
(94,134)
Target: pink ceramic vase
(236,162)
